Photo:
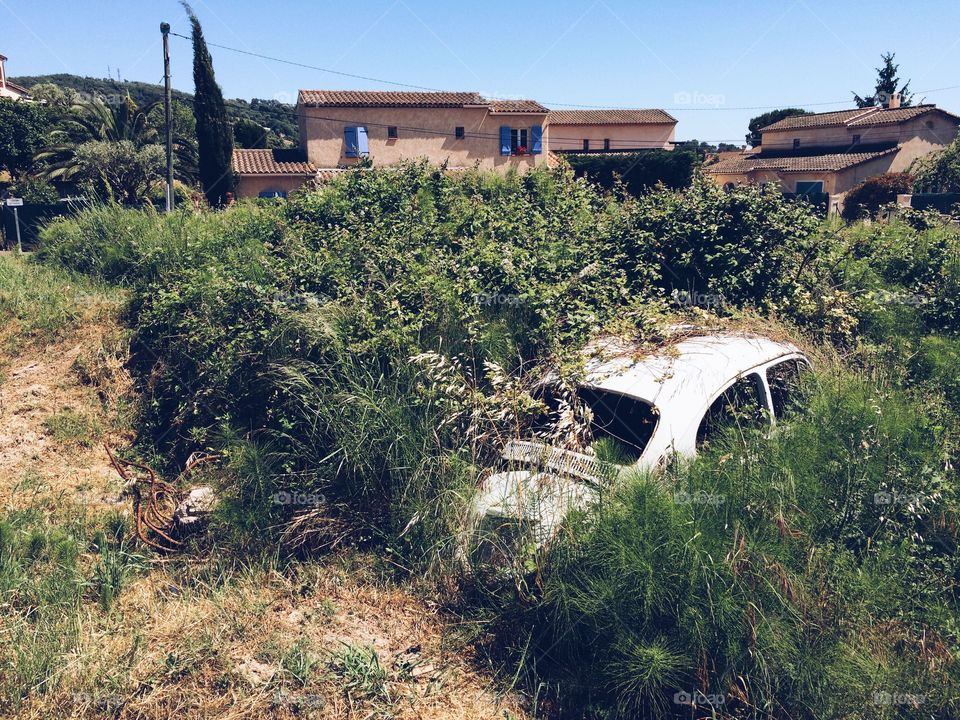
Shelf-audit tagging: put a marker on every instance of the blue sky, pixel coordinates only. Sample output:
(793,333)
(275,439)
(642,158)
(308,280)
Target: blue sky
(708,63)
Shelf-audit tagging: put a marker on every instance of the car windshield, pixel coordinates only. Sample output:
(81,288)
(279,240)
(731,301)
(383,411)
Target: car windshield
(620,426)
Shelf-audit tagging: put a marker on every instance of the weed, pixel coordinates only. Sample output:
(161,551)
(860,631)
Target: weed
(74,427)
(362,677)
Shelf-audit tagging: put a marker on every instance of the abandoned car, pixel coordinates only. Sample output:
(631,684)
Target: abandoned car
(649,409)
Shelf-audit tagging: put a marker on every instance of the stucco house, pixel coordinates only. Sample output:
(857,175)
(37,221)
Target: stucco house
(598,131)
(270,173)
(340,128)
(829,153)
(9,90)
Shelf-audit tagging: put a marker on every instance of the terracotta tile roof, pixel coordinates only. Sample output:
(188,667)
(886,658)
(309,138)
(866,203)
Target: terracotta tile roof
(328,174)
(893,116)
(609,117)
(804,163)
(377,98)
(515,106)
(271,162)
(859,117)
(18,88)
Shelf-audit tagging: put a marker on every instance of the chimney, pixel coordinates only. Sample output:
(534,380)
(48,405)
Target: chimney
(3,73)
(894,102)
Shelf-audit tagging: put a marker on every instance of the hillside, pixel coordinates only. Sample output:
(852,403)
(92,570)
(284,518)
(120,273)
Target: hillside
(277,116)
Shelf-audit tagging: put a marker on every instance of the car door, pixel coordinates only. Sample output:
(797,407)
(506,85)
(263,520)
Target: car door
(742,403)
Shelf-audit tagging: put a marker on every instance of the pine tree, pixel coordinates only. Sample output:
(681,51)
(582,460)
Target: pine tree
(214,134)
(886,88)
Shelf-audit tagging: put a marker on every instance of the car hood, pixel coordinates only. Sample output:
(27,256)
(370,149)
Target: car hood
(540,500)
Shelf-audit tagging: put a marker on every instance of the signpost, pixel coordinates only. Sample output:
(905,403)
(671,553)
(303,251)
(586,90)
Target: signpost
(15,203)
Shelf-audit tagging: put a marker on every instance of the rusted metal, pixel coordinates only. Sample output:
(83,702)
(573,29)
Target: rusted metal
(154,499)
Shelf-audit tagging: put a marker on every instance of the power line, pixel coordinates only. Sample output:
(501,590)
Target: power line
(395,83)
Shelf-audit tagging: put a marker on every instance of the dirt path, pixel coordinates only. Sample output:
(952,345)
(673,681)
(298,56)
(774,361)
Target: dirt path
(52,426)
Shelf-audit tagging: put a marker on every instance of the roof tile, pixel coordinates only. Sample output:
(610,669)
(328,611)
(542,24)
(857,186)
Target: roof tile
(609,117)
(270,162)
(805,163)
(377,98)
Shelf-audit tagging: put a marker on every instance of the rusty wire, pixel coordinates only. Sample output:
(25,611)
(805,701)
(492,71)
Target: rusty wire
(153,505)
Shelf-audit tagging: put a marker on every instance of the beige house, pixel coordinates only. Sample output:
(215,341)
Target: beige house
(588,131)
(270,173)
(340,128)
(9,90)
(829,153)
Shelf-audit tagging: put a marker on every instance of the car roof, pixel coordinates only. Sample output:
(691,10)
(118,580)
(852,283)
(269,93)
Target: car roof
(683,375)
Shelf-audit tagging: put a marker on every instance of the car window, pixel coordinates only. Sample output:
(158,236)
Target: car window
(783,379)
(740,404)
(620,421)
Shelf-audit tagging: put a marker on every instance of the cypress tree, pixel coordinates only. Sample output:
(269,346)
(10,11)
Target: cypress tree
(214,134)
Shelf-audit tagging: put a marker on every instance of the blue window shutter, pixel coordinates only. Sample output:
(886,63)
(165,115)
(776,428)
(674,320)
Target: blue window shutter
(536,139)
(363,147)
(504,139)
(350,140)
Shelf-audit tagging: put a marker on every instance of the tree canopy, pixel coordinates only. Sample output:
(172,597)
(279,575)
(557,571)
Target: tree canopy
(214,133)
(888,85)
(754,136)
(23,127)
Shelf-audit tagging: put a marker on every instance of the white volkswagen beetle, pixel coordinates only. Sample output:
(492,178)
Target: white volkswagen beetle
(653,407)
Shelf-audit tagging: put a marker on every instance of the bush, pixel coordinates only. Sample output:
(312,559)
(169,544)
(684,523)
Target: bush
(866,199)
(34,192)
(639,172)
(809,583)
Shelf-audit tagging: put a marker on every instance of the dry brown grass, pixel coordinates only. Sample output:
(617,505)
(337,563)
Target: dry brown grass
(206,637)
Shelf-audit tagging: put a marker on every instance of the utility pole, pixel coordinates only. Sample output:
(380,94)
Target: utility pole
(165,31)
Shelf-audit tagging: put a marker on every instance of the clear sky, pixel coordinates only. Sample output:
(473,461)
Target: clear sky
(708,63)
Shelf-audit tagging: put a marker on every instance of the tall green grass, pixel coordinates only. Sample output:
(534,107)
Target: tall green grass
(811,573)
(39,303)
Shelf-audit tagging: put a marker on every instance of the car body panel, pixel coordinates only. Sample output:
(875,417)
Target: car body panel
(680,381)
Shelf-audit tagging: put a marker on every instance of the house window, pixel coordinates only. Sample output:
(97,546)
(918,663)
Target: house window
(519,143)
(392,132)
(606,143)
(586,145)
(805,187)
(273,194)
(355,141)
(459,132)
(796,143)
(856,139)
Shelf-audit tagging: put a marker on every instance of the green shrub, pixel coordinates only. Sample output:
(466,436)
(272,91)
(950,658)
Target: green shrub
(639,172)
(771,593)
(866,199)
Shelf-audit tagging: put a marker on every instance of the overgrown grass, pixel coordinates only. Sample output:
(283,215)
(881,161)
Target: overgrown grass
(39,303)
(365,347)
(48,573)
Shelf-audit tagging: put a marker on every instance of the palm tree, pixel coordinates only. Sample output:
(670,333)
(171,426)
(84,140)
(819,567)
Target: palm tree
(96,121)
